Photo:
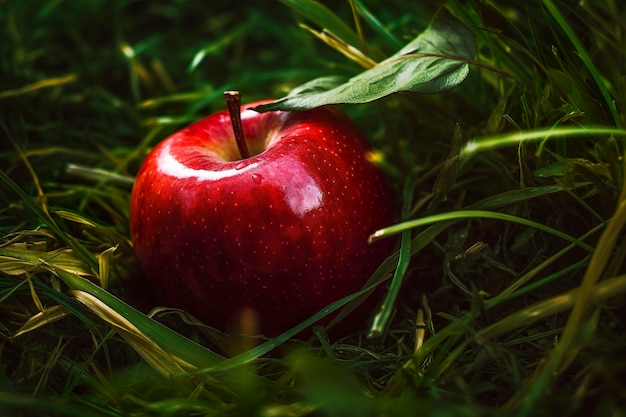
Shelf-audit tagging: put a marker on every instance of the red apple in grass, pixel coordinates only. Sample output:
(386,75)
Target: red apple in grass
(276,223)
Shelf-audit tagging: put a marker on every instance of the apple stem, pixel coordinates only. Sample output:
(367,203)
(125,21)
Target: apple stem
(233,101)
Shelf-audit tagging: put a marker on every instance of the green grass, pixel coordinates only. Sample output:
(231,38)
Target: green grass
(507,285)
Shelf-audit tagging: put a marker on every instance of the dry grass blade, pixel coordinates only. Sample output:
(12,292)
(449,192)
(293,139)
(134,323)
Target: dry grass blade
(47,83)
(46,316)
(597,294)
(585,306)
(524,317)
(19,260)
(104,264)
(33,293)
(158,358)
(44,216)
(340,46)
(106,233)
(99,175)
(163,361)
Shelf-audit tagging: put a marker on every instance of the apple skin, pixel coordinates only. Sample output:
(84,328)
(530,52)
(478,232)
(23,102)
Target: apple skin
(282,233)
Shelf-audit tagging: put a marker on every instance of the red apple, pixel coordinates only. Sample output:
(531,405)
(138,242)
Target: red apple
(282,233)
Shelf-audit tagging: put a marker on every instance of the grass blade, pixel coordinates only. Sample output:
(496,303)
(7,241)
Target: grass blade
(381,319)
(501,141)
(584,56)
(323,17)
(173,342)
(45,218)
(473,214)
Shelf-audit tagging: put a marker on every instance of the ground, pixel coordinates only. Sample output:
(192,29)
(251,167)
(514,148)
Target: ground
(507,280)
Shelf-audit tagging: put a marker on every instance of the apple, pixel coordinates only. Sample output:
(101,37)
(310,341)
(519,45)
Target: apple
(262,213)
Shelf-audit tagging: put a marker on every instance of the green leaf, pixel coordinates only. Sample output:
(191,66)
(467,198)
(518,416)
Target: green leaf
(435,61)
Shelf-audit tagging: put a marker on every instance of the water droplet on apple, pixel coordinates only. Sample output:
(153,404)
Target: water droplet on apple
(257,178)
(241,165)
